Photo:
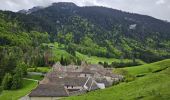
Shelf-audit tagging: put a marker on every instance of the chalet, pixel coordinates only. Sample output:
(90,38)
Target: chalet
(48,92)
(56,88)
(64,81)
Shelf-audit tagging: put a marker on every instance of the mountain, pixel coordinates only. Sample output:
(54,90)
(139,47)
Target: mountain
(105,18)
(99,31)
(122,33)
(29,11)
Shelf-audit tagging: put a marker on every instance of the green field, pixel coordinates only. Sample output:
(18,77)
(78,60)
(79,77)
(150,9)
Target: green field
(148,68)
(152,86)
(95,60)
(58,51)
(16,94)
(35,77)
(39,69)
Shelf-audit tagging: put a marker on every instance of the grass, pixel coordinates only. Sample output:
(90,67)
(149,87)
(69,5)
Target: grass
(58,51)
(16,94)
(35,77)
(150,87)
(148,68)
(95,59)
(39,69)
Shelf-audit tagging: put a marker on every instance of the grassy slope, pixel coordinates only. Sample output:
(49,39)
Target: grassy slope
(148,68)
(59,51)
(95,60)
(16,94)
(152,86)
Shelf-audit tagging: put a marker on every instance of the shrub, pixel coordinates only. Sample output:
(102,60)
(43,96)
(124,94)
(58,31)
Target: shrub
(105,64)
(127,77)
(100,63)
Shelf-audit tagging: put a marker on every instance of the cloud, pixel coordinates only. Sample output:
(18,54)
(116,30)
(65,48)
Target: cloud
(156,8)
(159,2)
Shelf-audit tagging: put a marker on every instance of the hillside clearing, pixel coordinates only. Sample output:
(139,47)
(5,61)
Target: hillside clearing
(59,51)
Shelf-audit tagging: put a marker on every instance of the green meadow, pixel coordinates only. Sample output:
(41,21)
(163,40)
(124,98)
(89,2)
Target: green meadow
(59,51)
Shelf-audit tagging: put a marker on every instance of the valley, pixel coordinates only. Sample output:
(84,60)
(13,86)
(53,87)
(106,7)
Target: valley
(87,52)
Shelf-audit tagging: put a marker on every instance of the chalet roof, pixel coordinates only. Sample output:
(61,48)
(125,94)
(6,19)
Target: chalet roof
(95,66)
(70,81)
(94,86)
(52,74)
(49,90)
(73,74)
(91,84)
(87,70)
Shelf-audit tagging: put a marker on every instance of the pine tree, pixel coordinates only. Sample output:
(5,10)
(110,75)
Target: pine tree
(7,81)
(17,78)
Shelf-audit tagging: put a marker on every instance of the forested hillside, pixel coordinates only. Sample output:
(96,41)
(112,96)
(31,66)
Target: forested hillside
(111,32)
(19,47)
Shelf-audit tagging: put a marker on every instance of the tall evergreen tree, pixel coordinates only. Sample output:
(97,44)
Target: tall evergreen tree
(7,81)
(17,78)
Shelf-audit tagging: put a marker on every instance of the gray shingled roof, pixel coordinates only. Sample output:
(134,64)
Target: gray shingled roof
(94,86)
(70,81)
(49,90)
(87,71)
(91,84)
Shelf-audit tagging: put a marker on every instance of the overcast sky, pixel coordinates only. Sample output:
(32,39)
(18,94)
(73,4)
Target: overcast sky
(156,8)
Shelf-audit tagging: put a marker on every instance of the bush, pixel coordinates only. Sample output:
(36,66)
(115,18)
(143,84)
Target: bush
(127,77)
(100,63)
(124,64)
(105,65)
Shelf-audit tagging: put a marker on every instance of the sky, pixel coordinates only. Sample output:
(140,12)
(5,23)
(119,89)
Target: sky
(157,8)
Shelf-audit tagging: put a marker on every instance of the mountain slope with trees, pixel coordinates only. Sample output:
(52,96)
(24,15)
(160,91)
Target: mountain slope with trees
(18,50)
(112,32)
